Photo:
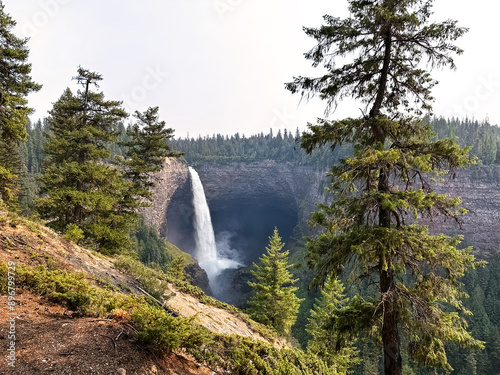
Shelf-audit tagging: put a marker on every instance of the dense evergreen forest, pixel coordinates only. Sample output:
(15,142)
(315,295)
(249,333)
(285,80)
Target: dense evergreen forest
(284,146)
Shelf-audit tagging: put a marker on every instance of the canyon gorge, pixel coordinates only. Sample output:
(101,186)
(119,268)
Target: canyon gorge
(247,200)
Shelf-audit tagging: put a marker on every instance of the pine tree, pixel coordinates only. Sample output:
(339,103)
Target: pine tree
(384,188)
(325,341)
(147,148)
(274,302)
(15,85)
(80,186)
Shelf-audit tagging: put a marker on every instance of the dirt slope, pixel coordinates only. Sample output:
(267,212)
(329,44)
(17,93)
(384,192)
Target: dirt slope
(51,339)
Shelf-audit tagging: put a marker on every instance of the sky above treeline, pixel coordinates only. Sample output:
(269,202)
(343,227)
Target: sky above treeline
(219,66)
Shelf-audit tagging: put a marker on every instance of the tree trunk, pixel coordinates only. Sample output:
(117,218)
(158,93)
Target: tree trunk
(390,336)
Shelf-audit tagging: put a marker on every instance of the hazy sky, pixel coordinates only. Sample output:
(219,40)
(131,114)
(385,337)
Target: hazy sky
(219,66)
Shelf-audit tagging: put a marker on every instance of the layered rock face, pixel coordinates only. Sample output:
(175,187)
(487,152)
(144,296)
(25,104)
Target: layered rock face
(173,176)
(479,188)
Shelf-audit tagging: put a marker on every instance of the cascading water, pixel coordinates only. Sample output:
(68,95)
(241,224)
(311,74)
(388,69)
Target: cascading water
(206,248)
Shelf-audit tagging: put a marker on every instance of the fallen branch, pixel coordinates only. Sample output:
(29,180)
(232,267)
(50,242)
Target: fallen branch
(166,308)
(112,340)
(117,337)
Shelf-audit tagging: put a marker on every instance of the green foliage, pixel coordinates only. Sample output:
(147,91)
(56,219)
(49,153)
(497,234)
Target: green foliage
(8,184)
(32,156)
(166,333)
(326,341)
(381,193)
(151,248)
(153,281)
(73,233)
(483,138)
(146,150)
(71,288)
(274,302)
(79,187)
(483,286)
(242,355)
(175,269)
(15,85)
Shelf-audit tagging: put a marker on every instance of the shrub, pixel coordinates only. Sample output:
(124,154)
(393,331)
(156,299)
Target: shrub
(73,233)
(168,333)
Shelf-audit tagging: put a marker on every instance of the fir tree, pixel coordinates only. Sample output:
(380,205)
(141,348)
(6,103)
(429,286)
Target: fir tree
(384,189)
(147,148)
(274,301)
(15,85)
(325,341)
(80,187)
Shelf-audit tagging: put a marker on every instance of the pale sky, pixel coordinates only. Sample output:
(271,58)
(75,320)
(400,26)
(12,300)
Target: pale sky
(219,66)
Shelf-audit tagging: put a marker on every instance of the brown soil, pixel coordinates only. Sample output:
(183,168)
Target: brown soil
(51,340)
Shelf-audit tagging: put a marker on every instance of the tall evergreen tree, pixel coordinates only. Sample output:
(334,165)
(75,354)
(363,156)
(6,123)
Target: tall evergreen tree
(274,301)
(15,85)
(325,341)
(369,227)
(80,187)
(147,148)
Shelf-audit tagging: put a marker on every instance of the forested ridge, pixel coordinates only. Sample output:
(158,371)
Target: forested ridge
(280,146)
(284,146)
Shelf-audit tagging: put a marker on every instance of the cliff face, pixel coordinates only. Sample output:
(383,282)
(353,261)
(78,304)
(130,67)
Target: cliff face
(247,200)
(173,176)
(479,188)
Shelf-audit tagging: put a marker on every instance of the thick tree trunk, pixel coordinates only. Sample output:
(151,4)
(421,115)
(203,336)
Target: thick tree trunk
(378,132)
(390,336)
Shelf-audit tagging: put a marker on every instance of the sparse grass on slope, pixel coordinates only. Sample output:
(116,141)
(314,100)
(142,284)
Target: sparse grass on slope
(163,332)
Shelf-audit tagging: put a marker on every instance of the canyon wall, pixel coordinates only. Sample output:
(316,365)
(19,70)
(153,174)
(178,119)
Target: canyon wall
(247,200)
(479,187)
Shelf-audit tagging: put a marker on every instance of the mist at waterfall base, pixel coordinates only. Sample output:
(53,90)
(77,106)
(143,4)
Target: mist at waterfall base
(213,256)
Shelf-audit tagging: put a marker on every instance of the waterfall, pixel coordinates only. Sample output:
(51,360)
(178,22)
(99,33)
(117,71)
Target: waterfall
(206,248)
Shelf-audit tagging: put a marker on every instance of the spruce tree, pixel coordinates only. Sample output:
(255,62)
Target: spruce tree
(325,341)
(15,85)
(147,148)
(80,186)
(384,189)
(274,302)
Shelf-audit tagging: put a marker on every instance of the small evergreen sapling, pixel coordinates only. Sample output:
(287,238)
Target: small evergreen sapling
(323,324)
(274,302)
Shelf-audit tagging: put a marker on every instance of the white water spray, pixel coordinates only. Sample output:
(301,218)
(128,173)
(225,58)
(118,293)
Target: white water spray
(206,249)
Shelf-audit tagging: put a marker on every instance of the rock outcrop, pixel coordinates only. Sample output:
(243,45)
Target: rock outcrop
(174,175)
